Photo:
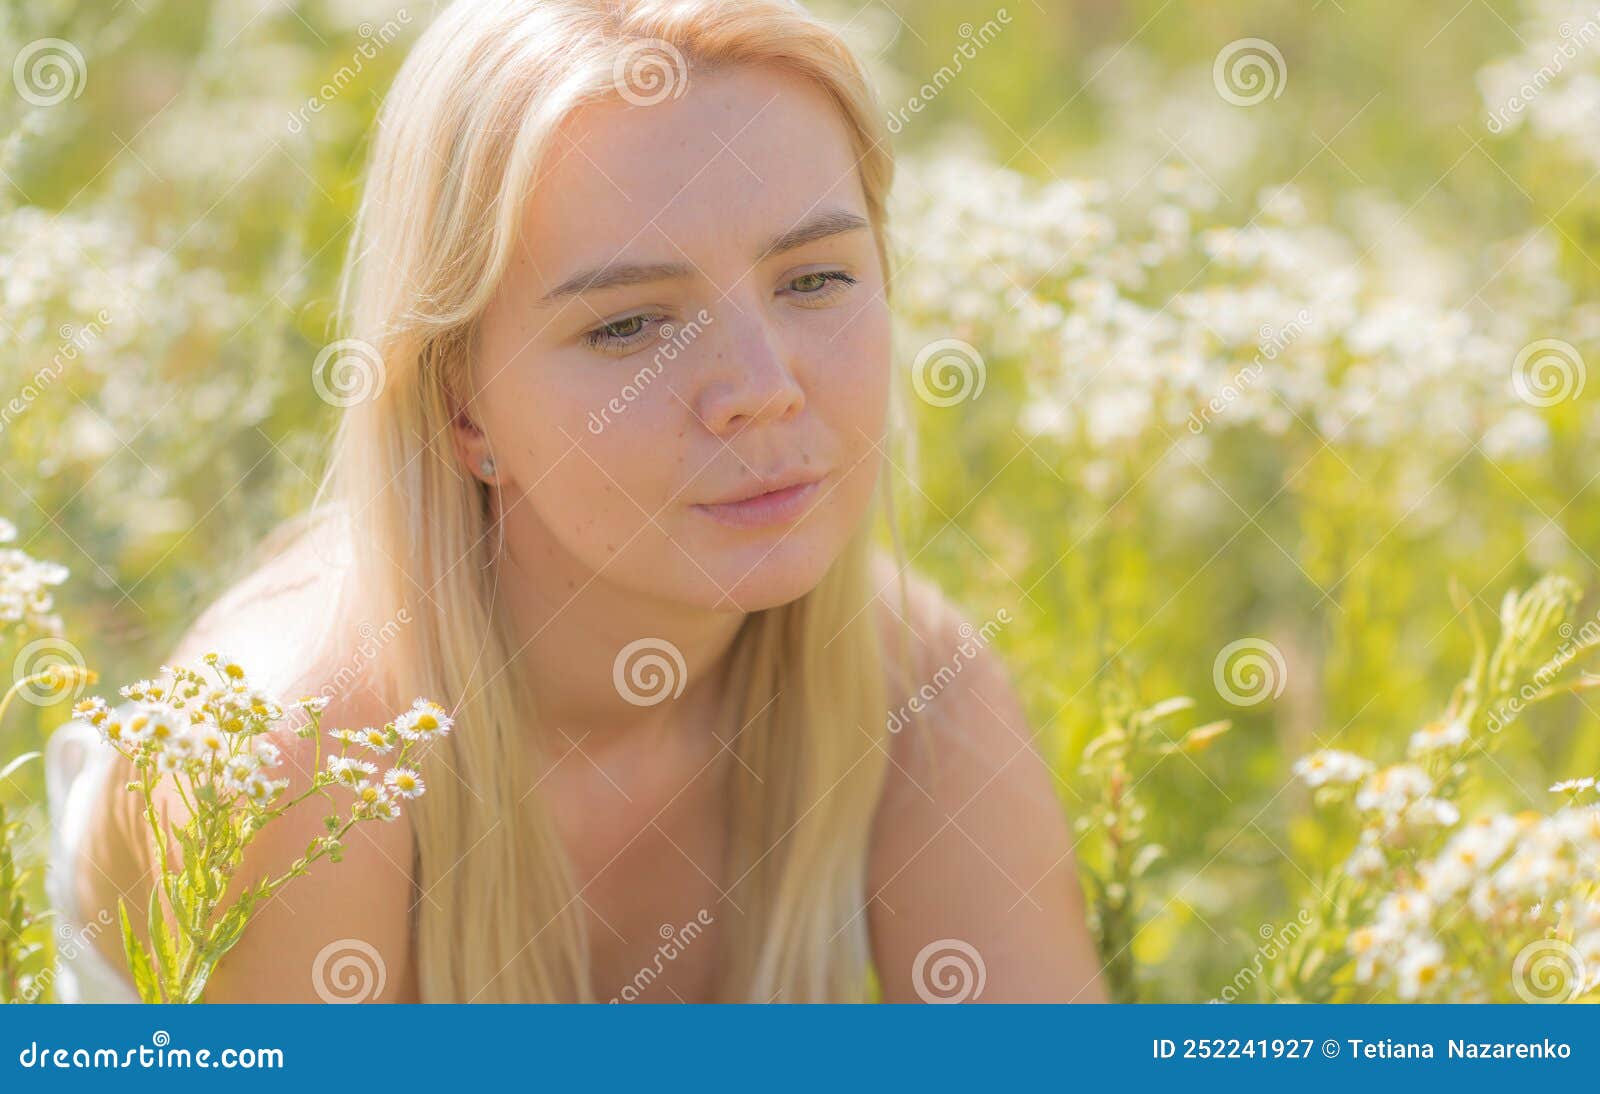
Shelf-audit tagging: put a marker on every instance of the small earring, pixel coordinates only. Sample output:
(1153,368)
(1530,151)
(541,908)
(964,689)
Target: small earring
(486,466)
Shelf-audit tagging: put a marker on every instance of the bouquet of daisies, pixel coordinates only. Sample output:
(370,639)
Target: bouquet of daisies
(211,737)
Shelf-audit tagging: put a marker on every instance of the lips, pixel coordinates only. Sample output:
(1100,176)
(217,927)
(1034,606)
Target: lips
(775,501)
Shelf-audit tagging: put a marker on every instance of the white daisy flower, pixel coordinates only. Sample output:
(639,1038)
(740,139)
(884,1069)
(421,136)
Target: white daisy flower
(349,770)
(1438,737)
(1393,788)
(376,740)
(260,789)
(230,667)
(1573,786)
(370,797)
(404,782)
(424,721)
(239,769)
(1331,767)
(1421,969)
(209,740)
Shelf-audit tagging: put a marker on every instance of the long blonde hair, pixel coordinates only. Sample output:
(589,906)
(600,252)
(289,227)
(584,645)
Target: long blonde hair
(458,145)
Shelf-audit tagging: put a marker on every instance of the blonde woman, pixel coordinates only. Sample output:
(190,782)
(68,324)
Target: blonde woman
(618,298)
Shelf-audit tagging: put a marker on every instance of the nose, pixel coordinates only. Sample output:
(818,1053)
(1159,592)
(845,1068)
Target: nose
(750,381)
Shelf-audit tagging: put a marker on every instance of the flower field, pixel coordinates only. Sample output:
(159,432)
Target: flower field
(1244,357)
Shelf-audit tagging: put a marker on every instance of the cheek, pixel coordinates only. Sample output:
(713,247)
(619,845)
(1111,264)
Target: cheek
(853,378)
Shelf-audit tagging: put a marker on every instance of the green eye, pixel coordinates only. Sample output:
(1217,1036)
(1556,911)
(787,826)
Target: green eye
(813,289)
(624,328)
(621,334)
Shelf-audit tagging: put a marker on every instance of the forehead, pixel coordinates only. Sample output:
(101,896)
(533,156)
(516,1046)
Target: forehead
(744,154)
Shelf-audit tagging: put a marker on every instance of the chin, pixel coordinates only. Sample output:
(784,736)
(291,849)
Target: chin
(763,575)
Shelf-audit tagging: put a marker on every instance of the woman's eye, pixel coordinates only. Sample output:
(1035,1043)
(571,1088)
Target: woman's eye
(621,334)
(812,288)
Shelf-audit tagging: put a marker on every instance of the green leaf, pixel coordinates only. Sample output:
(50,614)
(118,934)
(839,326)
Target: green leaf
(144,976)
(162,940)
(5,772)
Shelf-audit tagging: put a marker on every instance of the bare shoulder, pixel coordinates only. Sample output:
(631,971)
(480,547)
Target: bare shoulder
(944,676)
(971,850)
(356,908)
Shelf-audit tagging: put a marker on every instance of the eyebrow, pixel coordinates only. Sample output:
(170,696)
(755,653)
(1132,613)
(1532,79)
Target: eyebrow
(619,274)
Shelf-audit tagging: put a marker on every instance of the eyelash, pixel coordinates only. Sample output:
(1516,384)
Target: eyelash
(601,337)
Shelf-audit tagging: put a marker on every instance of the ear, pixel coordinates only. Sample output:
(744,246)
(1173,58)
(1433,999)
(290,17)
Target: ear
(471,443)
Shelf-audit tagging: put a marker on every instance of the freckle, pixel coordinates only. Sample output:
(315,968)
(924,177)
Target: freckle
(805,461)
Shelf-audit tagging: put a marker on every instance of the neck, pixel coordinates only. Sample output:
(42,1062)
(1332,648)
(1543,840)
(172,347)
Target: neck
(568,628)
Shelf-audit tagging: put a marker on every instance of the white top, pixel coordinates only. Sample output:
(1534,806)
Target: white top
(77,762)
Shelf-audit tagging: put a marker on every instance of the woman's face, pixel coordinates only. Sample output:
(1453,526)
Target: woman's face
(684,375)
